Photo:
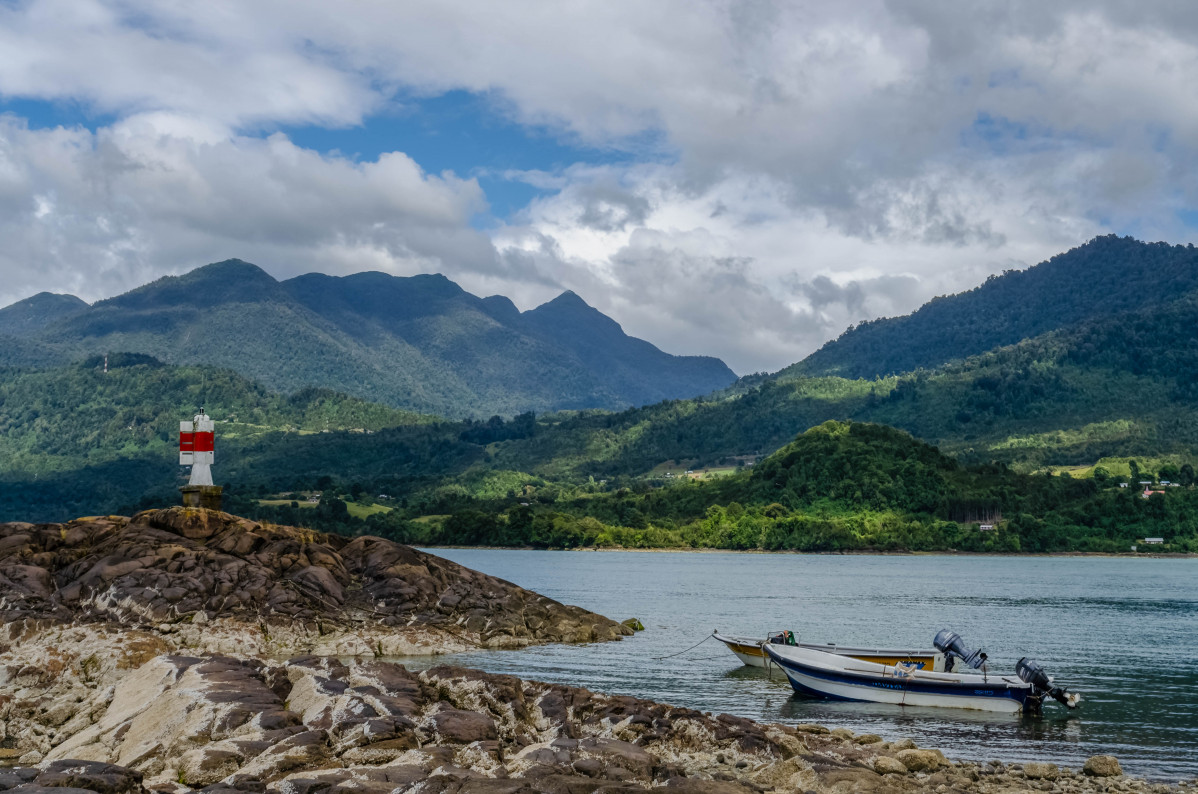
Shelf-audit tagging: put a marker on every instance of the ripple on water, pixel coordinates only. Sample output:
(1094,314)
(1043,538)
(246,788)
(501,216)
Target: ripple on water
(1122,631)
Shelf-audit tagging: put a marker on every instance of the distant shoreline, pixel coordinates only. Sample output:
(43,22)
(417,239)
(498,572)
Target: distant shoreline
(853,553)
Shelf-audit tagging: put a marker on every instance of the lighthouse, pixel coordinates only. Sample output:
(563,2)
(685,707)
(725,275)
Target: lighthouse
(197,449)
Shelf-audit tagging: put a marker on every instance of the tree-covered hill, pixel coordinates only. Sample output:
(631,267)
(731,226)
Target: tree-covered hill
(1117,391)
(27,317)
(1106,276)
(1121,387)
(836,487)
(420,343)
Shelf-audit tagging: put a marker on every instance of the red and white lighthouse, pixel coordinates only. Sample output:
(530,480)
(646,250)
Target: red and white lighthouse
(197,449)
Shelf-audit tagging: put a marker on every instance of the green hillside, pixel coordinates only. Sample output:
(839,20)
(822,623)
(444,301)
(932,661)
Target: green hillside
(419,343)
(1106,276)
(909,461)
(836,487)
(78,440)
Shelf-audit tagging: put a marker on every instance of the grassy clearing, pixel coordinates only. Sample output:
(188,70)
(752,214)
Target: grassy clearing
(362,511)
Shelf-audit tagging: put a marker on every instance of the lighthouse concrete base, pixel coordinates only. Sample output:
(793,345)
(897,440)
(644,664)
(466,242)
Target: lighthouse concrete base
(208,496)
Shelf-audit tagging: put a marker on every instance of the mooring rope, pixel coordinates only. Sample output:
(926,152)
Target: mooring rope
(696,645)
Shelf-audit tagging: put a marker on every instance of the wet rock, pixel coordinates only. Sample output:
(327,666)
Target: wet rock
(1102,766)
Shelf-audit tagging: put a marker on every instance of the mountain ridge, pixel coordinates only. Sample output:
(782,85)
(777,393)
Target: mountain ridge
(421,342)
(1104,276)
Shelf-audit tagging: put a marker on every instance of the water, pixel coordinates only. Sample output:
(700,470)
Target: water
(1124,632)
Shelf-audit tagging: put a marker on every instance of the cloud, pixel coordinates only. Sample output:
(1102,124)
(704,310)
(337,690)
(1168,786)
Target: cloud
(785,169)
(98,213)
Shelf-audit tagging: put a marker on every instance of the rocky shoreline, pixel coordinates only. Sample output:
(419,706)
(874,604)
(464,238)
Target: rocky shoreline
(205,581)
(186,650)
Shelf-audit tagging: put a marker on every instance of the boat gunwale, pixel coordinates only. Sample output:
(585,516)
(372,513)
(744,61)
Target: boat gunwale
(925,680)
(840,650)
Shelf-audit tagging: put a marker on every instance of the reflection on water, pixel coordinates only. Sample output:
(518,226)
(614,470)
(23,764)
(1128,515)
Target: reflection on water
(1122,631)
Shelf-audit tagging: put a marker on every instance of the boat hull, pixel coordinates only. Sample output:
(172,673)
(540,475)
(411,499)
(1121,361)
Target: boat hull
(749,651)
(835,680)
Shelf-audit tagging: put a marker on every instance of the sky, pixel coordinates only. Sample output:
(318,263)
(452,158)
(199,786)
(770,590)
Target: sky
(738,179)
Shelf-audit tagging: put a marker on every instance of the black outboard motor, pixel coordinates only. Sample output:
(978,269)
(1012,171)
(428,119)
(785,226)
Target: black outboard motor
(951,645)
(1030,672)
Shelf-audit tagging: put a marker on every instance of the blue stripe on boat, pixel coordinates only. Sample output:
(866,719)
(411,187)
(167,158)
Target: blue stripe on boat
(1000,690)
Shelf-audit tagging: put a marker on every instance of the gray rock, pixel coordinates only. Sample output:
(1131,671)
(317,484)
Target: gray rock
(464,727)
(206,565)
(91,775)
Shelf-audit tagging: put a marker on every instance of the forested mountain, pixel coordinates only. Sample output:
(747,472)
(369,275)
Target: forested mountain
(420,343)
(1118,390)
(28,317)
(1104,277)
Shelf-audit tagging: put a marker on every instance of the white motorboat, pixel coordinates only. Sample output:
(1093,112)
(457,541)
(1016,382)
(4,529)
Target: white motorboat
(828,675)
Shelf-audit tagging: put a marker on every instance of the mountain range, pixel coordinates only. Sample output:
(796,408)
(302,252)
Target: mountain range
(421,343)
(1119,383)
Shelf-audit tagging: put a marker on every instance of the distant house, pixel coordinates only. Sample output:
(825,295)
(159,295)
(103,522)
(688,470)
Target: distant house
(986,527)
(1164,482)
(1145,482)
(1122,485)
(1149,492)
(1154,541)
(1174,485)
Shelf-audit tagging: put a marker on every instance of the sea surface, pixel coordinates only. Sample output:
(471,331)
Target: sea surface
(1122,631)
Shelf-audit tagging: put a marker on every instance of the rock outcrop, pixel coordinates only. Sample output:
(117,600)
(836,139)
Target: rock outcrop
(314,725)
(147,655)
(206,580)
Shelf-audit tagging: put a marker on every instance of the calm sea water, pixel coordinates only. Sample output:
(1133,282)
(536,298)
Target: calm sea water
(1124,632)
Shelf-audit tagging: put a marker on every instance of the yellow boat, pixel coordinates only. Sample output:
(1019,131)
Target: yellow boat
(748,650)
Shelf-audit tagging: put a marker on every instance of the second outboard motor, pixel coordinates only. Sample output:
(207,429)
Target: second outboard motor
(951,645)
(1030,672)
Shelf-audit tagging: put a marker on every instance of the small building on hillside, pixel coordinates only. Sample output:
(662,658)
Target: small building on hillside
(1122,485)
(1153,541)
(986,527)
(1149,492)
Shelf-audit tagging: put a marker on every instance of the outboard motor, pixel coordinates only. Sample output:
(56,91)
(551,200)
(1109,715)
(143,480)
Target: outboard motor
(1030,672)
(951,645)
